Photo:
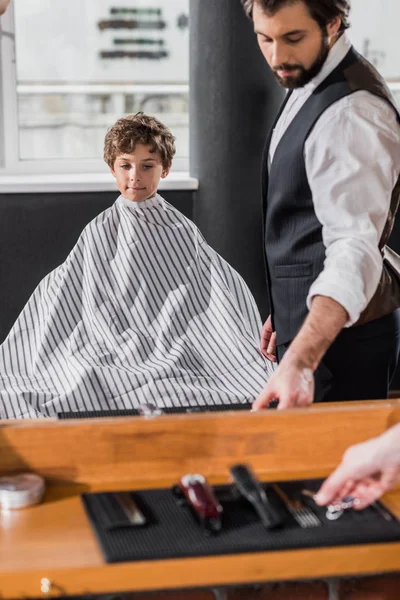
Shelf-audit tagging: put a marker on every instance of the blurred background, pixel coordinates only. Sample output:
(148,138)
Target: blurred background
(81,65)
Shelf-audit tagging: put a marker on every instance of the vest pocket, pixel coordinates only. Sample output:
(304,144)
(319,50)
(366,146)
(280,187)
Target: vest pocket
(293,271)
(289,293)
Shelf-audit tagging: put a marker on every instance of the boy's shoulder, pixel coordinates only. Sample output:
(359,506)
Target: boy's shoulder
(184,223)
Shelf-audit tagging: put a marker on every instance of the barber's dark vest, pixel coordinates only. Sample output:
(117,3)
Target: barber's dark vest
(295,252)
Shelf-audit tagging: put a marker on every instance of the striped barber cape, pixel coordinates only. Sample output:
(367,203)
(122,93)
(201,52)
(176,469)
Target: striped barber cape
(142,310)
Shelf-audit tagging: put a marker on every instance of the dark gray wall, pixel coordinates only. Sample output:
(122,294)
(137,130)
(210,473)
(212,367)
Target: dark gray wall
(233,100)
(37,231)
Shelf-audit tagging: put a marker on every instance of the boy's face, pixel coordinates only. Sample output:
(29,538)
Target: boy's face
(138,174)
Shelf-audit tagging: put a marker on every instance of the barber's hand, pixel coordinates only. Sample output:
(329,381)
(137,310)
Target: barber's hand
(268,340)
(291,384)
(367,471)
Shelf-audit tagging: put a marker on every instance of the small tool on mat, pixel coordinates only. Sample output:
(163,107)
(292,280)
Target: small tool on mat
(130,508)
(248,486)
(194,490)
(304,516)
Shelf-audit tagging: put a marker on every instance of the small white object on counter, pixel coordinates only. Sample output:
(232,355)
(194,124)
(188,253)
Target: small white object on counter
(19,491)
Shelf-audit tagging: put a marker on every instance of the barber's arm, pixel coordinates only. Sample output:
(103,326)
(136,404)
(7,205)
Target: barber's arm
(352,161)
(367,471)
(293,381)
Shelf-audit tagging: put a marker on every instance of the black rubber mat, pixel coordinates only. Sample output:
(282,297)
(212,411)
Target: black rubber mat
(133,412)
(95,414)
(172,531)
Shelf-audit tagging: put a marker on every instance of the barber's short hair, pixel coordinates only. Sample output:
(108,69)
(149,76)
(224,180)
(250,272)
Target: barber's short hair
(322,11)
(140,128)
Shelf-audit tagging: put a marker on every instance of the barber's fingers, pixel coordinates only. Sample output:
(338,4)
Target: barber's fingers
(334,486)
(299,393)
(386,480)
(265,398)
(369,490)
(366,490)
(268,340)
(266,333)
(268,347)
(286,399)
(358,465)
(294,399)
(304,398)
(390,477)
(271,350)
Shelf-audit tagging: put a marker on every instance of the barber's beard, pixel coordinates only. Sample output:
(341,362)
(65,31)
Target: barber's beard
(304,76)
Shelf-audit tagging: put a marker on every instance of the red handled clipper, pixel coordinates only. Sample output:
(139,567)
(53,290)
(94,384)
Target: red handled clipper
(198,494)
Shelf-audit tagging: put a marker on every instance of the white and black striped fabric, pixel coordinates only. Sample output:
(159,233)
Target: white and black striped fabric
(142,310)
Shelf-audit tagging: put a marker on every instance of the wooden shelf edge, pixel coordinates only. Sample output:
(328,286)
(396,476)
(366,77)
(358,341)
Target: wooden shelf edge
(237,569)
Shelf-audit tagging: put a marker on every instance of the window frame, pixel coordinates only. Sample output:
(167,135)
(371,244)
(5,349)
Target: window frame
(10,162)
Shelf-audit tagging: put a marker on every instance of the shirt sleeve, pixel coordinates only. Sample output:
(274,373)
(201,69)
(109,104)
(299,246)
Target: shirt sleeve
(352,161)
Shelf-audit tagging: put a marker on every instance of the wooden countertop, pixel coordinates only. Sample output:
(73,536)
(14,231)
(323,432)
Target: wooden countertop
(53,541)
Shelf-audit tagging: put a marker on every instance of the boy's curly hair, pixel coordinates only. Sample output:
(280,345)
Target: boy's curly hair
(140,128)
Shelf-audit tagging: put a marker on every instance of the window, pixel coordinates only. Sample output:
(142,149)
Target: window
(76,67)
(374,33)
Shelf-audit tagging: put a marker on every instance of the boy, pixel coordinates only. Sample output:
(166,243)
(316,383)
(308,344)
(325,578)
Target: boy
(141,311)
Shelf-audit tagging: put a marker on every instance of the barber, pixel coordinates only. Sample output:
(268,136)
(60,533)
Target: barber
(330,193)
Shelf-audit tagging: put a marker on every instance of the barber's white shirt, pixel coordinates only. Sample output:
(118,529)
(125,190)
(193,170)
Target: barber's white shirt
(352,159)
